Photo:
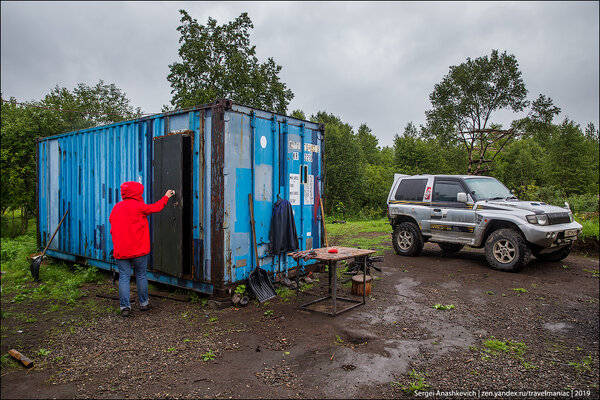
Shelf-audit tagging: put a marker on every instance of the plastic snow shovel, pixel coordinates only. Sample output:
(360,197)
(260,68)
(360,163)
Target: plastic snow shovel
(258,280)
(35,264)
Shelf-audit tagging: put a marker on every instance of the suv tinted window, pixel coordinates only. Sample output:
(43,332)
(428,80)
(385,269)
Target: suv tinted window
(446,190)
(411,189)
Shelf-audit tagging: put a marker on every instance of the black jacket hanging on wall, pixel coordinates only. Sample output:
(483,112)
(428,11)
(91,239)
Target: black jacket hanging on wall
(283,235)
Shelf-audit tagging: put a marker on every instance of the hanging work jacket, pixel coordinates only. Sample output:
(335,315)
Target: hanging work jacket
(283,235)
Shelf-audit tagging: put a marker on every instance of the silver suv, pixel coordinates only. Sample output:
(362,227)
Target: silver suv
(478,211)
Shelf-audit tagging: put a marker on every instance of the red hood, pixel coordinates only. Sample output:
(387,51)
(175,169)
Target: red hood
(132,190)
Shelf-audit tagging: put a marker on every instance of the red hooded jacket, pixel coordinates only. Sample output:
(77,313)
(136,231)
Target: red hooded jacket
(129,222)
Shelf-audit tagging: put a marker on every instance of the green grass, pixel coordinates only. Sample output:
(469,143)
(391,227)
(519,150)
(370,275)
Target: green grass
(60,283)
(493,347)
(417,383)
(590,225)
(352,234)
(584,366)
(356,227)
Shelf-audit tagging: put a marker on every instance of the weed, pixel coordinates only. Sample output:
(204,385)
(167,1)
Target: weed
(268,313)
(584,365)
(417,382)
(284,293)
(213,319)
(186,340)
(493,347)
(43,352)
(595,273)
(306,287)
(534,285)
(442,307)
(194,297)
(170,349)
(489,292)
(240,289)
(338,339)
(209,355)
(520,290)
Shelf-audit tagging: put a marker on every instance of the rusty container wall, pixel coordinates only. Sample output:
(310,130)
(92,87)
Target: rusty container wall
(236,150)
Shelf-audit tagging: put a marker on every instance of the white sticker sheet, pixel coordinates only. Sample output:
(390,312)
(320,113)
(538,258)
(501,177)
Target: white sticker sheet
(295,189)
(309,191)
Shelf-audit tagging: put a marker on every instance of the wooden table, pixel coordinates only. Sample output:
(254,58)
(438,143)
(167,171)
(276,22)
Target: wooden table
(331,260)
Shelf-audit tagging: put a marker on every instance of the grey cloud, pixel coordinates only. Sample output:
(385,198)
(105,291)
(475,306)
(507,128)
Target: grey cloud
(367,62)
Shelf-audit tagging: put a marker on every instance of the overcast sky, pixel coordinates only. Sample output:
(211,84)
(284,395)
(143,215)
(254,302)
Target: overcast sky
(366,62)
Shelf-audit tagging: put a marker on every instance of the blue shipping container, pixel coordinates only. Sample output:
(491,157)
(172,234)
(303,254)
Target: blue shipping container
(214,155)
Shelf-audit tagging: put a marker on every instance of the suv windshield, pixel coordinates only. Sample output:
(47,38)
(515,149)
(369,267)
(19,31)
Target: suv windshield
(488,189)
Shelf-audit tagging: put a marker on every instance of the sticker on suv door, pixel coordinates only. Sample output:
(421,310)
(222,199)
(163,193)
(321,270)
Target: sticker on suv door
(428,193)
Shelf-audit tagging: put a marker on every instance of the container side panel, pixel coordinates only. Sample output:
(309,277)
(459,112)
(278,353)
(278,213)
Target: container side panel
(238,186)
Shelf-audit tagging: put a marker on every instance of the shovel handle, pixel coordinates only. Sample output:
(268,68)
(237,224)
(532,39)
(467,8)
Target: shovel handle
(252,222)
(323,222)
(54,234)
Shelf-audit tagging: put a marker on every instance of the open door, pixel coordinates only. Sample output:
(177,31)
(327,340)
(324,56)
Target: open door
(172,227)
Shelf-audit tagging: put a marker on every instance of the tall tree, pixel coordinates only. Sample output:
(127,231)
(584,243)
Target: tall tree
(465,100)
(369,145)
(343,165)
(60,111)
(217,61)
(86,106)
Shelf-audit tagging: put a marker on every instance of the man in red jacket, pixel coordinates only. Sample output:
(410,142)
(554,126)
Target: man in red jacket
(131,241)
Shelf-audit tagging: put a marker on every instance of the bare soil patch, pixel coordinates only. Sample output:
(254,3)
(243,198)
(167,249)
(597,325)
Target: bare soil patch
(274,350)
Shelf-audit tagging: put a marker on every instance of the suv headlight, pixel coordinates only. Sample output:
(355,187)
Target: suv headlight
(571,217)
(540,219)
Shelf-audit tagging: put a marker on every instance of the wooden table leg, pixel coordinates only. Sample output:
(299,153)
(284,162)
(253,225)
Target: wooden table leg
(364,279)
(298,279)
(334,295)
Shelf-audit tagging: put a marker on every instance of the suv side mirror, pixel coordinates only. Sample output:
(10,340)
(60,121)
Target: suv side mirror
(461,197)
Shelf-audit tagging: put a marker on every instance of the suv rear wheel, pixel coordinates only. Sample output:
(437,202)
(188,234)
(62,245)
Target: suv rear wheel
(507,250)
(556,255)
(450,247)
(407,239)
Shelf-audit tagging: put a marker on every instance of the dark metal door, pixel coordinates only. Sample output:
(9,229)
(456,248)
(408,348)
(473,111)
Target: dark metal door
(172,226)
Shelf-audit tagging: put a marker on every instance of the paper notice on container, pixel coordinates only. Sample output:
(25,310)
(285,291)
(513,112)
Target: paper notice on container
(309,191)
(295,189)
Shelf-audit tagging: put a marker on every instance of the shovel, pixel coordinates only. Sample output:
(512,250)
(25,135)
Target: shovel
(258,280)
(35,264)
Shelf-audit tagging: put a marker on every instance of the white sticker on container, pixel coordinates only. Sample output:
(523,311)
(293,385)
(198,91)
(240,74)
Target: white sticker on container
(308,234)
(311,147)
(295,189)
(294,145)
(309,191)
(307,157)
(263,142)
(295,155)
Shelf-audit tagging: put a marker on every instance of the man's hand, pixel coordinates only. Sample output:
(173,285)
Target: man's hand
(169,193)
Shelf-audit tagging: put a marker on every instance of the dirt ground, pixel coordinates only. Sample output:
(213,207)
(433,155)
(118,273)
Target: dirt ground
(543,336)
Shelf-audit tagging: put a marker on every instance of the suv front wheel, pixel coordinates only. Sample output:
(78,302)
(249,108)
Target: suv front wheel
(507,250)
(407,239)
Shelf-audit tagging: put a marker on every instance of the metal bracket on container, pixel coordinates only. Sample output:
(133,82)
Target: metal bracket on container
(274,123)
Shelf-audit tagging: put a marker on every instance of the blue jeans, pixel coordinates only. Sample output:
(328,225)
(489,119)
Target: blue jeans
(139,265)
